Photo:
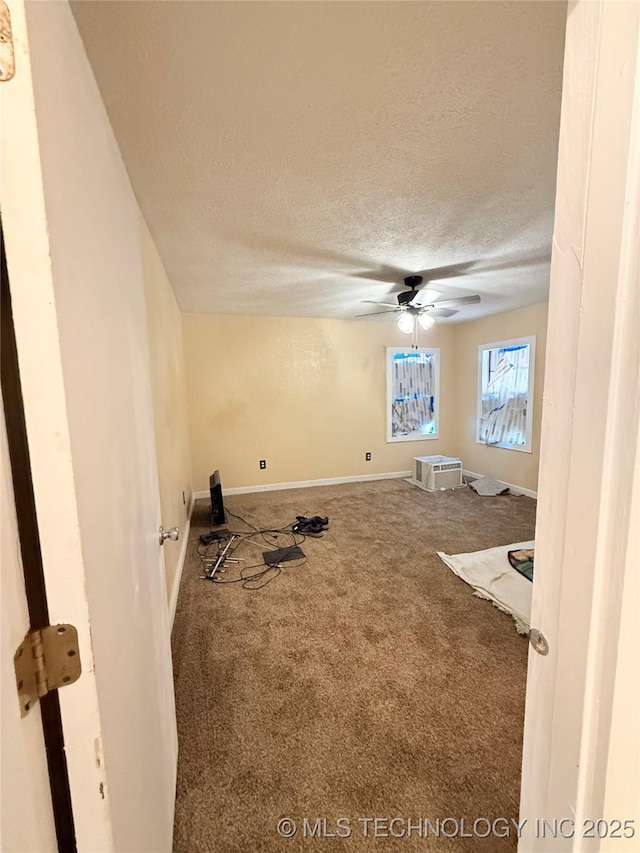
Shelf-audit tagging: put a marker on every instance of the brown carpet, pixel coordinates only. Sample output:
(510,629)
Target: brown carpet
(368,683)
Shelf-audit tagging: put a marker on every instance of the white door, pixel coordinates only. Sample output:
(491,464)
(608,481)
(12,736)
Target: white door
(589,431)
(26,817)
(71,226)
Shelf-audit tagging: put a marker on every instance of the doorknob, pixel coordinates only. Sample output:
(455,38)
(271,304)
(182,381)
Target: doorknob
(173,533)
(539,641)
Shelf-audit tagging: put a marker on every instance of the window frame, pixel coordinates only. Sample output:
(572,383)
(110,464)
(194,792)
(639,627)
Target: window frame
(393,351)
(512,342)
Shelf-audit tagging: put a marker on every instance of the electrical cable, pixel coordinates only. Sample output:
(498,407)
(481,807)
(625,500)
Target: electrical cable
(244,521)
(276,569)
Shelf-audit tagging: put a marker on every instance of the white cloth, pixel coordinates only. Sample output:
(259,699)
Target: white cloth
(493,577)
(489,486)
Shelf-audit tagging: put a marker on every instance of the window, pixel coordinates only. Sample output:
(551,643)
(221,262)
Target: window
(505,393)
(413,380)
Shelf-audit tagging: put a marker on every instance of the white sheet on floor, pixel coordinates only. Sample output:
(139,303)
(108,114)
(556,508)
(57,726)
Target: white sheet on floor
(493,577)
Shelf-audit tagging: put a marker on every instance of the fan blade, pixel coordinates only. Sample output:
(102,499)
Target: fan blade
(384,273)
(371,302)
(426,296)
(376,313)
(450,271)
(442,312)
(395,275)
(456,301)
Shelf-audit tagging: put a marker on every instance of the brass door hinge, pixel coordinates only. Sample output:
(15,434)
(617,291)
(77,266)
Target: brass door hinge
(45,660)
(7,58)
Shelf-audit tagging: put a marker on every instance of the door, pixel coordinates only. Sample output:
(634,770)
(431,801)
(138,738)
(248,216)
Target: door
(71,226)
(26,823)
(589,431)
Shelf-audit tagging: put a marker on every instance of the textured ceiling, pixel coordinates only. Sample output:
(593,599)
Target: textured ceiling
(290,156)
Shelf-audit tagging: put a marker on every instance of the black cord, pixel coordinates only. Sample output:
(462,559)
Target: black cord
(244,520)
(298,539)
(253,580)
(284,529)
(247,579)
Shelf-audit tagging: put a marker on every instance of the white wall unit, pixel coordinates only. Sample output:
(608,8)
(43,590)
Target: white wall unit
(434,473)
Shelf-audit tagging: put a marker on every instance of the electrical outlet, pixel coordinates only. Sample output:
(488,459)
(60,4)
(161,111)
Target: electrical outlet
(367,457)
(263,464)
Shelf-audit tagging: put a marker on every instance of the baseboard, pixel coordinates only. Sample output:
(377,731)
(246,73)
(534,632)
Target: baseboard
(175,589)
(332,481)
(517,490)
(304,484)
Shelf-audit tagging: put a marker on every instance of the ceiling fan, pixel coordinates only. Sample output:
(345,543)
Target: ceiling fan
(418,307)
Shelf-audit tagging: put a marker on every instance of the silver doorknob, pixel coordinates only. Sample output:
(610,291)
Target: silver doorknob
(173,533)
(539,641)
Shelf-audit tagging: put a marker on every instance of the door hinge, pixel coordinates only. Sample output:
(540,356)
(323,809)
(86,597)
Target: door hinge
(7,57)
(46,659)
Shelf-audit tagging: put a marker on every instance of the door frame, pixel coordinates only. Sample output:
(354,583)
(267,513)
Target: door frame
(585,476)
(587,453)
(31,553)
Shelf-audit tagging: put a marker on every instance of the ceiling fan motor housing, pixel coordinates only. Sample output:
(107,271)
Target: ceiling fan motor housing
(405,297)
(413,281)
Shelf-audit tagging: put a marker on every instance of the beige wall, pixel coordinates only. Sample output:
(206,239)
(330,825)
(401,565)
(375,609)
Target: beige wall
(306,395)
(169,400)
(309,397)
(512,466)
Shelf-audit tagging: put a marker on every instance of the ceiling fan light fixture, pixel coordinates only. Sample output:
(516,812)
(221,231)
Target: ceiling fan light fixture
(405,323)
(426,321)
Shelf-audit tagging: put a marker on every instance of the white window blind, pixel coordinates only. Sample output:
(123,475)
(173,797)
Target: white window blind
(505,395)
(412,394)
